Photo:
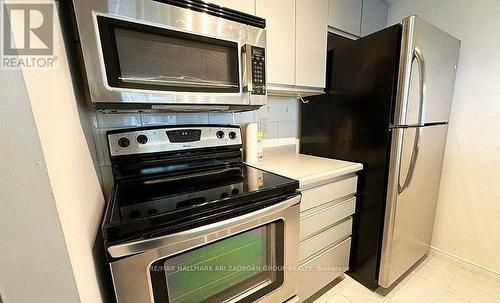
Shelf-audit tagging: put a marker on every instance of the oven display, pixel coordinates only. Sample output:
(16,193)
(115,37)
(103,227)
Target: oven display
(184,135)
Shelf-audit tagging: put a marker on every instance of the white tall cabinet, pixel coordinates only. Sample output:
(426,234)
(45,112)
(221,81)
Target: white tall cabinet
(310,44)
(374,16)
(280,47)
(357,18)
(345,16)
(296,45)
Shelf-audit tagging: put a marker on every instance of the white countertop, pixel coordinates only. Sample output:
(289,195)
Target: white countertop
(310,171)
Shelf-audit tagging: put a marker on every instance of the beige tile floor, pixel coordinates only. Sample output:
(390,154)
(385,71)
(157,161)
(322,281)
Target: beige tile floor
(435,280)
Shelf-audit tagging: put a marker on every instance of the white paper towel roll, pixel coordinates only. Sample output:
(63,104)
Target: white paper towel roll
(253,143)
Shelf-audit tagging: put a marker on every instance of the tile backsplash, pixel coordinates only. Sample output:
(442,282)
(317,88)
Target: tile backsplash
(278,120)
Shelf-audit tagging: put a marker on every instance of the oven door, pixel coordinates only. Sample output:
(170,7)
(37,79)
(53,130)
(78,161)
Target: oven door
(244,259)
(148,52)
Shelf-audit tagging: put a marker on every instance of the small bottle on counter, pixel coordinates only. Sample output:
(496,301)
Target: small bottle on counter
(253,143)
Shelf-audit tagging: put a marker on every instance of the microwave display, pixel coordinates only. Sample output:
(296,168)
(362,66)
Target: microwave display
(140,56)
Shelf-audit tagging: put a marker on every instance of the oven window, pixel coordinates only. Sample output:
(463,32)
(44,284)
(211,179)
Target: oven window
(146,57)
(243,267)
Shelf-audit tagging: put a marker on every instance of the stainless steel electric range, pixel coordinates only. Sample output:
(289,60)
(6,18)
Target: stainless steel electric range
(189,222)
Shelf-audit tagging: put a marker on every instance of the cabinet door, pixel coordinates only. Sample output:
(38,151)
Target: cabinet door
(311,38)
(245,6)
(280,47)
(374,16)
(345,15)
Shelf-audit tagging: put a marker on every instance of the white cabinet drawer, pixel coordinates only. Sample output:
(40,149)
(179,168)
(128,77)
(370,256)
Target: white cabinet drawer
(325,193)
(320,270)
(325,238)
(324,216)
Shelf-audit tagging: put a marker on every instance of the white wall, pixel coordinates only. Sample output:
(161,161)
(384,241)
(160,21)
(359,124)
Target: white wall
(51,177)
(34,262)
(74,181)
(468,215)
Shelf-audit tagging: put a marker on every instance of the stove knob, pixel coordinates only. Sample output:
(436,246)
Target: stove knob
(142,139)
(220,134)
(123,142)
(232,135)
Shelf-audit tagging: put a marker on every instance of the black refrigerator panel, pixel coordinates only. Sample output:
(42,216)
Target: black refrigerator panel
(351,122)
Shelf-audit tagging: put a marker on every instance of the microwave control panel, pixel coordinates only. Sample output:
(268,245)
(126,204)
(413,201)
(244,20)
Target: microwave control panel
(258,58)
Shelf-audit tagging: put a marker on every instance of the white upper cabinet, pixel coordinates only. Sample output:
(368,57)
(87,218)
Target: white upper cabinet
(311,38)
(374,16)
(345,15)
(245,6)
(280,35)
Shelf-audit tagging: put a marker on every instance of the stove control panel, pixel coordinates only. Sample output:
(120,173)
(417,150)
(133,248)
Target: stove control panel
(171,138)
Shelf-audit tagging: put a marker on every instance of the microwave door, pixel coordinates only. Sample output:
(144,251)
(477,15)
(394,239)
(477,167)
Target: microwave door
(145,60)
(139,56)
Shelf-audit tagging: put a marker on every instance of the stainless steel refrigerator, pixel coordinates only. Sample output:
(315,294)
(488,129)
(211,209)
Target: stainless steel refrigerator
(387,105)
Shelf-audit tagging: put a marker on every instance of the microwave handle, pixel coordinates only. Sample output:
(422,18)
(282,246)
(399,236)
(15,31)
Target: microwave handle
(246,68)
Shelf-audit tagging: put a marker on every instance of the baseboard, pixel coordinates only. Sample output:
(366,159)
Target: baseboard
(464,263)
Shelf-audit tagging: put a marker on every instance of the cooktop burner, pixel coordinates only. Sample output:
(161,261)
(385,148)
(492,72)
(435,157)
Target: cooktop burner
(162,192)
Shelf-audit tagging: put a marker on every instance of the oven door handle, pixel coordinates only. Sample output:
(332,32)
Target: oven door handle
(132,248)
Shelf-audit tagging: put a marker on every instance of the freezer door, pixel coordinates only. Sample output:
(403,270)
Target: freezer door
(427,71)
(413,186)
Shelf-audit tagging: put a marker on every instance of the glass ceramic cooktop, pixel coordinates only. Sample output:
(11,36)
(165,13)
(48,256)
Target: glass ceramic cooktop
(162,195)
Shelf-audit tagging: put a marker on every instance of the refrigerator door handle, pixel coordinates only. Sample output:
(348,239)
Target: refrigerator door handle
(413,161)
(419,59)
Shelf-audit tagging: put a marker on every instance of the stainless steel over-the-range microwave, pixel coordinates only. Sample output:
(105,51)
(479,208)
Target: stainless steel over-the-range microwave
(184,55)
